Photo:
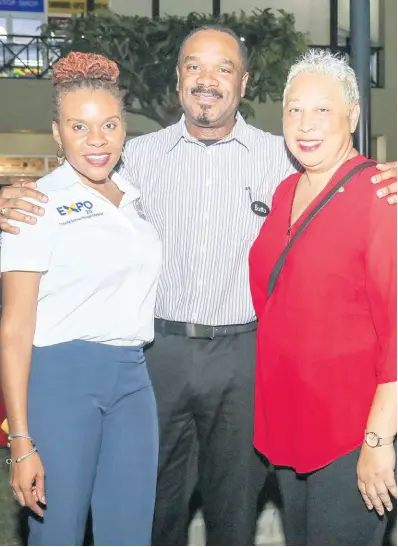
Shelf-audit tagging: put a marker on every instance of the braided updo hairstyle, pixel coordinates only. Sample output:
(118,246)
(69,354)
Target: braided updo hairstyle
(84,71)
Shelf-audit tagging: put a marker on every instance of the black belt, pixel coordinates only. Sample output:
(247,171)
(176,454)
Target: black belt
(191,330)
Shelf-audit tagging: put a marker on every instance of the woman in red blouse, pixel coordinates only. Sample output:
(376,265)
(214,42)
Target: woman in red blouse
(325,409)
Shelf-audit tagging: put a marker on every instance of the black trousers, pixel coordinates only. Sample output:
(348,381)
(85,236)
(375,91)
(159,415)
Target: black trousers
(204,392)
(326,508)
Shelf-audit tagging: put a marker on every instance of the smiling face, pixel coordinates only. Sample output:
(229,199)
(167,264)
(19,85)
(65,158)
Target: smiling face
(317,124)
(211,79)
(91,131)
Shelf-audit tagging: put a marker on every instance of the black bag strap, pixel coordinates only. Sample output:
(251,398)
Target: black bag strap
(281,260)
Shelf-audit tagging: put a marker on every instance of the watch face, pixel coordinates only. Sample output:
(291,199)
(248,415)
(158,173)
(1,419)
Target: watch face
(372,439)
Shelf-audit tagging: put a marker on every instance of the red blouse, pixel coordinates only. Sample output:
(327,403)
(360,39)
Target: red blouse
(327,335)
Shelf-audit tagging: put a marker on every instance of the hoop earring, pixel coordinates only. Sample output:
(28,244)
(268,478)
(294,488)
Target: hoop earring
(60,155)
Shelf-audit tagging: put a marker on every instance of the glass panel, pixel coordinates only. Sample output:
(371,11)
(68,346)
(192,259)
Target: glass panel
(344,18)
(28,58)
(3,31)
(27,27)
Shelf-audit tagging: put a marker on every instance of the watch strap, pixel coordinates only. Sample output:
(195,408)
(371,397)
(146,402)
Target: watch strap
(386,440)
(381,441)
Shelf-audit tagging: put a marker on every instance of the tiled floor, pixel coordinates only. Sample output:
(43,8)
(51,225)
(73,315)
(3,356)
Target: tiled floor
(269,528)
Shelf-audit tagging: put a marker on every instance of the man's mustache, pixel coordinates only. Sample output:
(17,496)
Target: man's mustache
(209,91)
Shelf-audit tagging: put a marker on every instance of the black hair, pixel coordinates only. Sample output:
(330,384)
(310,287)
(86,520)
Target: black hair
(244,55)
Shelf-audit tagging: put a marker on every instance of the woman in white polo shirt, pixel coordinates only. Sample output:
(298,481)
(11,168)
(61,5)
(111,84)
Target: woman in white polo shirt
(78,298)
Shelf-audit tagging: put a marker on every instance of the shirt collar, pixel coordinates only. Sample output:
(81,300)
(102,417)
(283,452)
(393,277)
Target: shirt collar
(67,176)
(240,132)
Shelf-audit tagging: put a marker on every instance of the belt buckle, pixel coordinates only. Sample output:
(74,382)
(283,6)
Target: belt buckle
(199,331)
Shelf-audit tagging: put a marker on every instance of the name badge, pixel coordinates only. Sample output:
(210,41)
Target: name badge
(259,208)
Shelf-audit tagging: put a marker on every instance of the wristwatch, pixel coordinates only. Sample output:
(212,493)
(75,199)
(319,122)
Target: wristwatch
(373,440)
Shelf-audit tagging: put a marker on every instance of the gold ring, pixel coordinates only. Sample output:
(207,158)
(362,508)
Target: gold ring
(3,212)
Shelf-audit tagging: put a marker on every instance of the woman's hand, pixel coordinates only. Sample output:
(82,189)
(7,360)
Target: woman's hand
(27,476)
(387,171)
(376,479)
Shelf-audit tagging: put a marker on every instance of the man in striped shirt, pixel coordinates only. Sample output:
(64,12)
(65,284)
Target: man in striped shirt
(206,184)
(198,180)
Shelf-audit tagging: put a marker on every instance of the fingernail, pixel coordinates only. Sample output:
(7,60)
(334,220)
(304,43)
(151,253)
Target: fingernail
(389,508)
(44,199)
(381,193)
(31,220)
(41,211)
(381,513)
(369,507)
(391,199)
(15,231)
(374,179)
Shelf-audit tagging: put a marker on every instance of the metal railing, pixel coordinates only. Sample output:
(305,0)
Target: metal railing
(28,56)
(34,56)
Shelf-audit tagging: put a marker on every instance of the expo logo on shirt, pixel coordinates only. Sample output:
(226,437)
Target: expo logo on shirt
(77,207)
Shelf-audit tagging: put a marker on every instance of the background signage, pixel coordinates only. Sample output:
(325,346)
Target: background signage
(73,7)
(29,6)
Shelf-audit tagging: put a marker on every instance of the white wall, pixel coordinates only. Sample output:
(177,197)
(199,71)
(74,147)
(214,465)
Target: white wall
(183,7)
(132,7)
(310,14)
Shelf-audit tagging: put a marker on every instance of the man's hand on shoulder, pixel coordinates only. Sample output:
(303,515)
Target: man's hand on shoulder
(13,205)
(387,171)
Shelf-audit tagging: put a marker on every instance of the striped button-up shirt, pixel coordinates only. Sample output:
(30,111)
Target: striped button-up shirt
(199,199)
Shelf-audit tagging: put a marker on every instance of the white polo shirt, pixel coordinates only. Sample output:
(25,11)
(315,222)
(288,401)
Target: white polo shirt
(101,264)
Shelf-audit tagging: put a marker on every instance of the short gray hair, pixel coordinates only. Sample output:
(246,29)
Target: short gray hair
(320,61)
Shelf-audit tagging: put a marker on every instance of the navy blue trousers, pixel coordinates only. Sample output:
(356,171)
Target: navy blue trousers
(92,413)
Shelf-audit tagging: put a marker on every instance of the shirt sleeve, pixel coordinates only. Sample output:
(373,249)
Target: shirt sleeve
(282,164)
(381,284)
(128,168)
(31,249)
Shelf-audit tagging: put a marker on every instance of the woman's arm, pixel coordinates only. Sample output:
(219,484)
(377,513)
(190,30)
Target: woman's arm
(18,322)
(376,465)
(383,414)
